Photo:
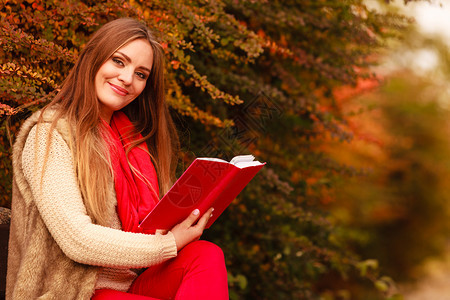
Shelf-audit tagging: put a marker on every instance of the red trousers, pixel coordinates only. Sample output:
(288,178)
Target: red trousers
(198,272)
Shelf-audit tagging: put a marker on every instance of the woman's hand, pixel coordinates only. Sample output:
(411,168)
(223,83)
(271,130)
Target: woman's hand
(187,231)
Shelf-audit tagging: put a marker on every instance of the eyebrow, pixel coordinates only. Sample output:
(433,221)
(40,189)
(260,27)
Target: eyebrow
(129,60)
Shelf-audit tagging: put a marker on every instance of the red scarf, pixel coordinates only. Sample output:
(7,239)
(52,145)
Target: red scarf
(135,198)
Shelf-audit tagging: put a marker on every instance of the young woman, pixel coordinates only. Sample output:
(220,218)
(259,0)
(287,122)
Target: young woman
(88,168)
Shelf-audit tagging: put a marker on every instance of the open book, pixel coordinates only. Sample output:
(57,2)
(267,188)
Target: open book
(207,182)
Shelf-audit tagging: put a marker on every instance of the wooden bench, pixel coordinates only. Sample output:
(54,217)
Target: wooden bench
(4,238)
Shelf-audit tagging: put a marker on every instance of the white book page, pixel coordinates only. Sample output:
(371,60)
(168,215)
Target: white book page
(212,159)
(245,164)
(243,161)
(240,161)
(242,158)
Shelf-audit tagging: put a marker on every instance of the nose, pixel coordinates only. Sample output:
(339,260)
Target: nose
(126,76)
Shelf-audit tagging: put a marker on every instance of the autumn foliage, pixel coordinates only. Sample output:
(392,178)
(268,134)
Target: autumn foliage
(242,77)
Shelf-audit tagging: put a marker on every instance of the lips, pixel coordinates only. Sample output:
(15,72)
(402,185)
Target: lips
(119,90)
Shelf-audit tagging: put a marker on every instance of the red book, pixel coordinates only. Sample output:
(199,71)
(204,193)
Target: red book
(207,182)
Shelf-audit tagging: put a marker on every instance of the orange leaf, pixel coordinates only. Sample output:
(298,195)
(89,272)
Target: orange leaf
(175,64)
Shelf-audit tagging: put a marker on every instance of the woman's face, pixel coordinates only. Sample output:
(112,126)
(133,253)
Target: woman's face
(123,76)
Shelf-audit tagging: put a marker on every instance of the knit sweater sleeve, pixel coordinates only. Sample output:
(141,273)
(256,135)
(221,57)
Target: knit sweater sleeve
(59,202)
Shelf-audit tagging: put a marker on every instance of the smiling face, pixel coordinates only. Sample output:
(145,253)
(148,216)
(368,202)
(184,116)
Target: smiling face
(123,77)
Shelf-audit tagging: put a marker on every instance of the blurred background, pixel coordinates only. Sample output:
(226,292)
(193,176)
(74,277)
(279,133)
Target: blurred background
(347,102)
(399,208)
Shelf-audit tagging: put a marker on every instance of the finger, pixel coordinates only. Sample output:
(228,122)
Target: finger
(161,231)
(205,218)
(192,218)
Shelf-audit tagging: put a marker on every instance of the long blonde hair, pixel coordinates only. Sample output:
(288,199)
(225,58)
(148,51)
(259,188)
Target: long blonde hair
(78,104)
